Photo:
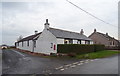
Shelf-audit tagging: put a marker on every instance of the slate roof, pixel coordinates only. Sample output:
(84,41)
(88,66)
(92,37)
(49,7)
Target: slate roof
(104,35)
(107,36)
(32,37)
(67,34)
(58,33)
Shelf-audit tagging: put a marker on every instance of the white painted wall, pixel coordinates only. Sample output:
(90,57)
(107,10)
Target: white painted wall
(75,41)
(79,42)
(82,42)
(60,41)
(91,42)
(43,44)
(25,47)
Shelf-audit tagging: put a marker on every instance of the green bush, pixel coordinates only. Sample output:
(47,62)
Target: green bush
(78,48)
(98,47)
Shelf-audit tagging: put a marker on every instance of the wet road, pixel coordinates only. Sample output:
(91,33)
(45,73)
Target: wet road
(97,66)
(15,62)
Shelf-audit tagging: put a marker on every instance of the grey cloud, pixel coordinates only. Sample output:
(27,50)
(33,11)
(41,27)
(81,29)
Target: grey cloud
(22,18)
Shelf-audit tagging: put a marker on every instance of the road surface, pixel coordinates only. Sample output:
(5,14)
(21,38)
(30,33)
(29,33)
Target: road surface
(15,62)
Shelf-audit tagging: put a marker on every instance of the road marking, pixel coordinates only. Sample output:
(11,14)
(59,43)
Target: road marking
(81,61)
(91,60)
(73,66)
(80,64)
(67,66)
(62,69)
(59,67)
(75,63)
(18,53)
(95,59)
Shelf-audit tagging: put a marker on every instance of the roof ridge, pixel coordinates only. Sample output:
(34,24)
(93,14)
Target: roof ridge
(107,36)
(29,37)
(65,30)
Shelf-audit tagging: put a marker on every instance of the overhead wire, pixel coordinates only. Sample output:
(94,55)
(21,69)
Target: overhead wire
(91,14)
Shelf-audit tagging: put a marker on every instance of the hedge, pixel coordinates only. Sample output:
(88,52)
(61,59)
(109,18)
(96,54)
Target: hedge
(78,48)
(98,47)
(112,47)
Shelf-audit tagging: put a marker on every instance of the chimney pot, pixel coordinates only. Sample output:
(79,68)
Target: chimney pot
(36,31)
(82,32)
(95,30)
(107,34)
(46,24)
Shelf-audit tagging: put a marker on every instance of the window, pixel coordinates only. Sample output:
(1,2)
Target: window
(51,45)
(28,43)
(68,41)
(113,43)
(65,41)
(110,43)
(79,42)
(87,42)
(18,43)
(22,44)
(34,43)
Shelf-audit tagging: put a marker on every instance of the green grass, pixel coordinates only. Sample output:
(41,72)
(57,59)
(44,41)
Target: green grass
(99,54)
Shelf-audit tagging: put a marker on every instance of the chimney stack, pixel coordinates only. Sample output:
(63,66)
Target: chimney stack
(95,30)
(36,31)
(81,32)
(107,34)
(46,24)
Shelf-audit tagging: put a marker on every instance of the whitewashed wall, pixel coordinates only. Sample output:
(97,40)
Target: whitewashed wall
(25,47)
(82,42)
(75,41)
(91,42)
(60,41)
(43,44)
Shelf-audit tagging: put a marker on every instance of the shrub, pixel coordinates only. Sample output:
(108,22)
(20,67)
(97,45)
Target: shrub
(78,48)
(98,47)
(112,47)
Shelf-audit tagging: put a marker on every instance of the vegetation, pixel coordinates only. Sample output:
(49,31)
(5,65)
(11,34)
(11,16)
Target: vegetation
(99,54)
(78,48)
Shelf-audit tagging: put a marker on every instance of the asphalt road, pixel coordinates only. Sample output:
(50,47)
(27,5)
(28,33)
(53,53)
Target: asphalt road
(15,62)
(98,66)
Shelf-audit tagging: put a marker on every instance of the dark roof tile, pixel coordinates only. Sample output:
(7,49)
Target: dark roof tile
(67,34)
(32,37)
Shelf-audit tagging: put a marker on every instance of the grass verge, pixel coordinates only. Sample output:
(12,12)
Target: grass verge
(99,54)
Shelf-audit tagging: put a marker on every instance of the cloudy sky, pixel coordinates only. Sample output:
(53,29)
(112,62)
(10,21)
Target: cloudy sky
(23,17)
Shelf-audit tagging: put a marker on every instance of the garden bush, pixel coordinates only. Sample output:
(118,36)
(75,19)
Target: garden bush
(78,48)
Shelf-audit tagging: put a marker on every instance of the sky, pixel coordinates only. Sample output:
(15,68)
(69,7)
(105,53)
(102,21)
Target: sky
(23,17)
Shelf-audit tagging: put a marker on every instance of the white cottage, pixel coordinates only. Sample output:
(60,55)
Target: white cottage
(47,40)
